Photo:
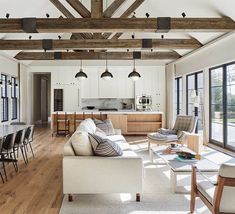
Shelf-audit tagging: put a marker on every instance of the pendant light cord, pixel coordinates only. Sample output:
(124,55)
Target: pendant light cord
(81,64)
(106,61)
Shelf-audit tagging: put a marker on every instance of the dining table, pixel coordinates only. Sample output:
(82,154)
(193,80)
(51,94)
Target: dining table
(11,129)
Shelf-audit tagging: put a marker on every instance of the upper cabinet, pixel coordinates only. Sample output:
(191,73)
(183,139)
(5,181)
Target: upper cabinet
(152,82)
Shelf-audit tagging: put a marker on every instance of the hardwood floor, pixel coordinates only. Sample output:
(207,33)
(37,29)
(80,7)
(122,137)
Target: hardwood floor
(37,187)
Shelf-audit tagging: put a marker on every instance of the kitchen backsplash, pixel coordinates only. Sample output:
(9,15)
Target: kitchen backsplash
(108,103)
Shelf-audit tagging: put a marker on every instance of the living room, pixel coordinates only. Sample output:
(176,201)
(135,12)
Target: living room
(117,106)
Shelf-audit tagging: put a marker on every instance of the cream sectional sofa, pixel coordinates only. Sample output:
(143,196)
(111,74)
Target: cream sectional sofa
(102,175)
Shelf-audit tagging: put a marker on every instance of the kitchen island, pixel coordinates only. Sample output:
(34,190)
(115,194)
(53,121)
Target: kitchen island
(129,121)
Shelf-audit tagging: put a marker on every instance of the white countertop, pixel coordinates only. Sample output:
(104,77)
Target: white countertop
(96,111)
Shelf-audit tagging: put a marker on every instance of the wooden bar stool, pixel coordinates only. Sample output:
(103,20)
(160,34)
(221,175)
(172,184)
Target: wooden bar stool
(62,124)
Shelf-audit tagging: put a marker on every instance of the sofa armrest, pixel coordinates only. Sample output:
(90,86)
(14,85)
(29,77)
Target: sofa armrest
(118,131)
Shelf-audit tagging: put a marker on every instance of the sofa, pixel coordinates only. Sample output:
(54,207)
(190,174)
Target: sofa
(101,175)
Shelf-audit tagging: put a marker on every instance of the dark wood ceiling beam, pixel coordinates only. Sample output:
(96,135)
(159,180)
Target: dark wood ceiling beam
(79,8)
(67,14)
(100,44)
(127,13)
(95,55)
(76,25)
(97,12)
(113,7)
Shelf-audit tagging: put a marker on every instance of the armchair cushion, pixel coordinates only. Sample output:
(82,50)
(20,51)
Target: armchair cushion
(167,131)
(207,189)
(227,170)
(161,137)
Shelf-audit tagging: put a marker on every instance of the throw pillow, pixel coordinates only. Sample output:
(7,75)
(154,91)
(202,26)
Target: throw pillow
(100,133)
(104,147)
(105,126)
(81,144)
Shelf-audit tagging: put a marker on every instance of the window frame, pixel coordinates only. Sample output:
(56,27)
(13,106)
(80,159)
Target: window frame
(14,98)
(4,97)
(177,81)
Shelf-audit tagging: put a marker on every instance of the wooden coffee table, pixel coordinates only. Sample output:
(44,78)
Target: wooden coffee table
(183,168)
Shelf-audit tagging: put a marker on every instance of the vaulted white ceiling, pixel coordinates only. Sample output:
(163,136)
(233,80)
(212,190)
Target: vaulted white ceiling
(156,8)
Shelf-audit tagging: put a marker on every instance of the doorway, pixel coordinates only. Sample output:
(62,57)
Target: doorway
(41,98)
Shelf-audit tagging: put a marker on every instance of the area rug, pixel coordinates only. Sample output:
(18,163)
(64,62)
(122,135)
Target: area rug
(157,197)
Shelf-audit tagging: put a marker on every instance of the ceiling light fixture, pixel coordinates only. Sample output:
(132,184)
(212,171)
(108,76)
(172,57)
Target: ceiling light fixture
(183,15)
(106,75)
(47,15)
(147,15)
(162,36)
(81,75)
(134,75)
(7,15)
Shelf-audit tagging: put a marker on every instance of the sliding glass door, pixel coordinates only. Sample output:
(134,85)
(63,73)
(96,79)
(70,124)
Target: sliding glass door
(222,106)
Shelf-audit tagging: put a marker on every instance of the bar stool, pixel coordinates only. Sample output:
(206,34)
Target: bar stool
(62,121)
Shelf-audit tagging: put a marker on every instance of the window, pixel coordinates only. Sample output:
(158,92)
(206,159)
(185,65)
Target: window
(179,95)
(4,98)
(222,105)
(195,83)
(13,98)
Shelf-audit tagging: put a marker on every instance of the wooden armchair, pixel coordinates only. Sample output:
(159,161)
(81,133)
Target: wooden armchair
(218,196)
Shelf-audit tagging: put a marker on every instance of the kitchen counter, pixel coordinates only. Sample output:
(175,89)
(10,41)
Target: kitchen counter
(96,111)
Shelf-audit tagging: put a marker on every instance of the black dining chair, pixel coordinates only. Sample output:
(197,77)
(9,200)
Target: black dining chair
(2,177)
(19,144)
(28,139)
(7,152)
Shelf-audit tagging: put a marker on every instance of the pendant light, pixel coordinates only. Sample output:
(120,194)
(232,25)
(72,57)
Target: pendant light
(106,75)
(134,75)
(81,75)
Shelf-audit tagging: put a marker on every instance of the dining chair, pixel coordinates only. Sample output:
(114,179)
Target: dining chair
(7,153)
(28,139)
(19,144)
(2,177)
(218,195)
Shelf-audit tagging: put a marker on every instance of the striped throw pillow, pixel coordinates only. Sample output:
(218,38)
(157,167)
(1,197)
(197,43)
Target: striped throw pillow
(106,126)
(104,147)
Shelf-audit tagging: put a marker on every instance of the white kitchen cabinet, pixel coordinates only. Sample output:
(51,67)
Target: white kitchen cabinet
(90,85)
(120,86)
(152,82)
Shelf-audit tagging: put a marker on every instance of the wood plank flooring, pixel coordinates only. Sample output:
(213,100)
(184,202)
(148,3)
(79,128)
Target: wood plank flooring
(37,187)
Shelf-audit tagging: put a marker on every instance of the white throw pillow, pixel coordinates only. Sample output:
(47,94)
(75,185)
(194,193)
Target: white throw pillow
(81,144)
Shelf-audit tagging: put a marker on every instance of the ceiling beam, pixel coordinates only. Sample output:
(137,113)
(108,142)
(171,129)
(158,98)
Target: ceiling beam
(96,55)
(112,8)
(80,8)
(76,25)
(99,44)
(97,12)
(67,14)
(126,14)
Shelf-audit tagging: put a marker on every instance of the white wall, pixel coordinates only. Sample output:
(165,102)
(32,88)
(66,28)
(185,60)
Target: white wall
(217,53)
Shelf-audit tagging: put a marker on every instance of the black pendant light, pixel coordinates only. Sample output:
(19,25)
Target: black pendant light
(134,75)
(106,75)
(81,75)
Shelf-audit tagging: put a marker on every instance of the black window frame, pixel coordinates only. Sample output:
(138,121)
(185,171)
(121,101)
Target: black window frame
(5,104)
(223,144)
(14,100)
(195,74)
(177,81)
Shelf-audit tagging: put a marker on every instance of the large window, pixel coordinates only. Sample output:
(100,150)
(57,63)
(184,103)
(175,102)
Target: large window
(4,98)
(195,84)
(222,105)
(13,98)
(179,95)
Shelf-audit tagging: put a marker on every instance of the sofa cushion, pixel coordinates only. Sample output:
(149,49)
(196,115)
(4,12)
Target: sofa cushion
(105,126)
(104,146)
(81,144)
(87,125)
(100,133)
(68,149)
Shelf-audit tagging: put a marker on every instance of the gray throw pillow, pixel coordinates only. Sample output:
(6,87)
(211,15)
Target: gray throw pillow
(104,147)
(106,126)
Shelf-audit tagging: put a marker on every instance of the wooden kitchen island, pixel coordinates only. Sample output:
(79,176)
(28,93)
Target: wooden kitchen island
(130,122)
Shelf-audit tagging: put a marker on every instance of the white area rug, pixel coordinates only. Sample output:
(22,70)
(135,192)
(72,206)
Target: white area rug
(156,198)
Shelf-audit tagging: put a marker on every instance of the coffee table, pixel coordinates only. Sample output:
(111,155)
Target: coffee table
(183,168)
